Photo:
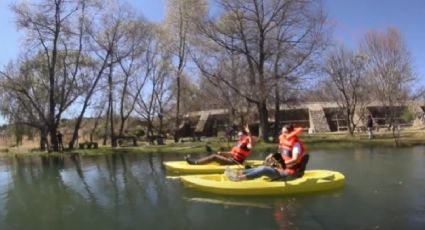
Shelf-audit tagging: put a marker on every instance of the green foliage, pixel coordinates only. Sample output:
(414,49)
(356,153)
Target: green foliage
(407,115)
(19,131)
(140,133)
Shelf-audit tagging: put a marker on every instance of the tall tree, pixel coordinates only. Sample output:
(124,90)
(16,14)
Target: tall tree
(181,17)
(115,38)
(23,100)
(134,58)
(101,36)
(257,31)
(391,73)
(158,59)
(229,65)
(57,60)
(346,75)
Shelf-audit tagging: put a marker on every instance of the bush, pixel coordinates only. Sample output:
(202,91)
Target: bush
(140,133)
(407,116)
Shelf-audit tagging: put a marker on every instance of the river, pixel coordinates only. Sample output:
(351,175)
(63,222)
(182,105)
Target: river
(384,189)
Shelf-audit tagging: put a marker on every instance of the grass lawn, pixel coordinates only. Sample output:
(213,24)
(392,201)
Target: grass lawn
(332,140)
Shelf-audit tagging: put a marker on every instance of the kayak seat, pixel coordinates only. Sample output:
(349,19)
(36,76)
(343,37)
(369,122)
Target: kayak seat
(303,164)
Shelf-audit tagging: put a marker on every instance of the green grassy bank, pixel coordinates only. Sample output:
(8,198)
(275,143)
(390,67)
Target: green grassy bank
(408,137)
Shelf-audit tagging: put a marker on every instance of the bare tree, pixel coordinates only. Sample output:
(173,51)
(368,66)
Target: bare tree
(162,95)
(181,16)
(290,66)
(134,59)
(57,59)
(391,71)
(257,31)
(346,75)
(158,58)
(102,35)
(113,37)
(216,94)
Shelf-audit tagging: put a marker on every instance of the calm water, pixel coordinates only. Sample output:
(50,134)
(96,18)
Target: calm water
(384,189)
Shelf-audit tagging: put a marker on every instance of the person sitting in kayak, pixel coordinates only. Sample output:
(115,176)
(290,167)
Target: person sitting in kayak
(236,155)
(289,163)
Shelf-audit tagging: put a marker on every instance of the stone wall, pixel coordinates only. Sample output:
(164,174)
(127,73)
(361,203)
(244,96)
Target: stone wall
(318,122)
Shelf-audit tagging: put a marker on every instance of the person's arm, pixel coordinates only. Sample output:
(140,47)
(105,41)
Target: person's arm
(248,139)
(268,157)
(296,131)
(225,154)
(248,144)
(295,151)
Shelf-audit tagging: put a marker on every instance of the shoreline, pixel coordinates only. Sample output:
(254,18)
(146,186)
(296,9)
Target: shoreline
(322,141)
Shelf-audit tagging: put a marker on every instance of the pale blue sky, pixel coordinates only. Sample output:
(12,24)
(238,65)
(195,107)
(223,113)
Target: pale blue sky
(352,18)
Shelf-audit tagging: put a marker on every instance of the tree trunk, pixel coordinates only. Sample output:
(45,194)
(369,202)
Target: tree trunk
(43,140)
(276,115)
(176,131)
(74,138)
(111,114)
(149,125)
(349,122)
(161,122)
(96,123)
(149,130)
(86,102)
(264,121)
(105,135)
(111,121)
(121,130)
(53,139)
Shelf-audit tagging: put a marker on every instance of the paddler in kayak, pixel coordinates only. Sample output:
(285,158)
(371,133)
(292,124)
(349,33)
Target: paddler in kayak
(236,155)
(289,163)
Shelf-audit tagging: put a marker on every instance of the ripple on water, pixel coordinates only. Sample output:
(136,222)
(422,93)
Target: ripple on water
(5,183)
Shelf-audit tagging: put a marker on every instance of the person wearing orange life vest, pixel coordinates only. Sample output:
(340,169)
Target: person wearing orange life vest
(291,150)
(236,155)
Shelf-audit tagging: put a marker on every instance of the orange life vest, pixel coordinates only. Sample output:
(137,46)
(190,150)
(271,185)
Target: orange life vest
(295,167)
(285,139)
(287,142)
(240,152)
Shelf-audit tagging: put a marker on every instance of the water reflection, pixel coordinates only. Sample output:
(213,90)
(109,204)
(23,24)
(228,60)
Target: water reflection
(68,186)
(131,191)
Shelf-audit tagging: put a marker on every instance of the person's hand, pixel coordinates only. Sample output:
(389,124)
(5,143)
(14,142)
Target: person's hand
(246,128)
(269,156)
(245,146)
(249,146)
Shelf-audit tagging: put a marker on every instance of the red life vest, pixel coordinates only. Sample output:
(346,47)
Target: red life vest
(240,152)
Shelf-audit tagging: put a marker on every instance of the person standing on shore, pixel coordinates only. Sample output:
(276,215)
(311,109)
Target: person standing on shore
(369,125)
(60,141)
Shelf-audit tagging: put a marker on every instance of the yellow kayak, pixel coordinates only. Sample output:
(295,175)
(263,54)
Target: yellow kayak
(182,167)
(312,181)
